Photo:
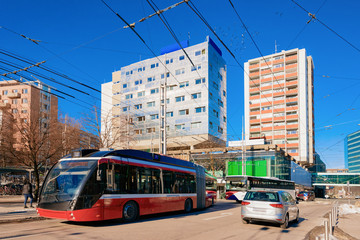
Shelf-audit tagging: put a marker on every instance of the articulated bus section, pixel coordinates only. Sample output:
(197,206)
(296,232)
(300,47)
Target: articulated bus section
(123,184)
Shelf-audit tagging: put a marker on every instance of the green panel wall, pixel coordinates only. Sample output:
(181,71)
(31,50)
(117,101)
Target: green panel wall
(256,168)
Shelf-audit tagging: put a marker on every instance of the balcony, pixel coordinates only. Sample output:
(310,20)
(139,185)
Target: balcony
(278,61)
(292,126)
(266,80)
(4,105)
(254,90)
(292,145)
(254,113)
(290,59)
(292,91)
(291,75)
(292,83)
(253,75)
(279,69)
(253,130)
(295,135)
(266,88)
(265,71)
(291,66)
(254,105)
(290,117)
(279,127)
(254,82)
(254,121)
(253,66)
(14,95)
(266,129)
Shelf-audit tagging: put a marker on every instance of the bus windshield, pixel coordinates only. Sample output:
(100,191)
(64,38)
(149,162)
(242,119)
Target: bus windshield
(236,184)
(64,181)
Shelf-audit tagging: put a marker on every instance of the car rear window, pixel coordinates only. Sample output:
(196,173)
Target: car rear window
(262,196)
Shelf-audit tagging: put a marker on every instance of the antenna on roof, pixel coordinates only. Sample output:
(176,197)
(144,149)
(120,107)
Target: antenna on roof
(275,47)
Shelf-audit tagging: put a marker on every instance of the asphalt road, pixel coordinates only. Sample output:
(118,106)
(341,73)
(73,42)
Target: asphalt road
(221,221)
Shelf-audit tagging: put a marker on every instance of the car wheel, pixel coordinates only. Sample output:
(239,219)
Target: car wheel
(130,211)
(245,221)
(297,217)
(285,224)
(188,205)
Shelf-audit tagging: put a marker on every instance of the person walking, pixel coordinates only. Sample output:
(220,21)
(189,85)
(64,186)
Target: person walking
(27,192)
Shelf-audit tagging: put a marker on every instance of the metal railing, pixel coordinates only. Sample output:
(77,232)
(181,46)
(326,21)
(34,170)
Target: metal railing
(332,221)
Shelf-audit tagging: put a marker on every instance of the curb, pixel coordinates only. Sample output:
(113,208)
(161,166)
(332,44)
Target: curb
(19,220)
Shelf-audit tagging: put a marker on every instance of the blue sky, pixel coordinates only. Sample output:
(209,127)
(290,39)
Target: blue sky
(85,41)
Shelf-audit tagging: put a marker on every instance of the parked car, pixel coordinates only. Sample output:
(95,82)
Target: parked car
(269,206)
(306,196)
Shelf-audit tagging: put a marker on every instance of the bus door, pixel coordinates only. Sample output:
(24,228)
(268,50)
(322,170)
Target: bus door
(114,173)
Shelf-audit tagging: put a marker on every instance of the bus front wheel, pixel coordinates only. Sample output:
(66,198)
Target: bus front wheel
(188,205)
(130,211)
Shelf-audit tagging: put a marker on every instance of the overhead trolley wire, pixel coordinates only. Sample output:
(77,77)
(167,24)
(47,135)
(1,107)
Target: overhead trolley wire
(329,28)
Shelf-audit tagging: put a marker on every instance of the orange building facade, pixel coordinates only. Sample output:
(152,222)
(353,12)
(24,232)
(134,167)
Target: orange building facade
(279,106)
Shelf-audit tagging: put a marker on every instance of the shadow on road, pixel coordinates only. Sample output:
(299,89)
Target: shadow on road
(220,206)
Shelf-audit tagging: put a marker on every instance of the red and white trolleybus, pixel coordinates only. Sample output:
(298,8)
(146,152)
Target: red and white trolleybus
(95,185)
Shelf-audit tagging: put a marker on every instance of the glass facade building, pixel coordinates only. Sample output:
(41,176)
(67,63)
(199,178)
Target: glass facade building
(352,152)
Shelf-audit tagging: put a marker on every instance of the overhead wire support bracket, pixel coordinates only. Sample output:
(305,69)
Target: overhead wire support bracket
(23,69)
(312,17)
(132,25)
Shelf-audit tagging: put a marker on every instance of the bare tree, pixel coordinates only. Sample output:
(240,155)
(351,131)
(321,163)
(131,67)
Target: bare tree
(34,141)
(111,132)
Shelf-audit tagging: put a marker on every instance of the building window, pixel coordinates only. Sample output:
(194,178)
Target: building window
(221,103)
(215,85)
(180,99)
(14,101)
(14,90)
(224,93)
(138,82)
(125,109)
(14,110)
(138,106)
(5,92)
(224,119)
(196,67)
(125,85)
(141,118)
(220,130)
(151,104)
(170,88)
(195,125)
(154,90)
(216,114)
(129,96)
(168,100)
(154,65)
(150,130)
(220,76)
(179,126)
(24,111)
(211,125)
(154,116)
(199,109)
(182,57)
(203,51)
(141,94)
(24,100)
(184,84)
(169,61)
(200,80)
(196,95)
(197,53)
(180,71)
(184,112)
(138,131)
(169,114)
(163,75)
(25,91)
(151,79)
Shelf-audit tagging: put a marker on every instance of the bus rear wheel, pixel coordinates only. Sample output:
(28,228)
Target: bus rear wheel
(130,211)
(188,205)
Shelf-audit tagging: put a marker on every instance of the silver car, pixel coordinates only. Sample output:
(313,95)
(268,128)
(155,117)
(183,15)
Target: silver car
(269,206)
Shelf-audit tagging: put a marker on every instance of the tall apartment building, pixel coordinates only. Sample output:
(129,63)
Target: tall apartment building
(279,104)
(180,104)
(352,152)
(24,100)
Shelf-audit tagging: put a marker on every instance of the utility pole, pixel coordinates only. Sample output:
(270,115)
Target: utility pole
(243,171)
(162,127)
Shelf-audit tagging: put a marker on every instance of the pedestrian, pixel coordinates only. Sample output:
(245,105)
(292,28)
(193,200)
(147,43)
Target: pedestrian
(27,192)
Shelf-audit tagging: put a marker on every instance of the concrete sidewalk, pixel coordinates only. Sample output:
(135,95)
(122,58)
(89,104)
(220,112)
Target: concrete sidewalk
(12,209)
(349,223)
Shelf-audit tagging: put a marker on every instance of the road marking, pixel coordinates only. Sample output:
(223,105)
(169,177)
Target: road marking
(221,216)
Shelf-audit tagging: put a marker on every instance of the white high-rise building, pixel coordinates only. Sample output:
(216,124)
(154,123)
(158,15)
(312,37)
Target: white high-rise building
(177,104)
(279,105)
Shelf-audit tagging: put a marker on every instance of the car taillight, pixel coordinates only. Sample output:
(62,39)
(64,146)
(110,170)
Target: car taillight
(245,203)
(277,205)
